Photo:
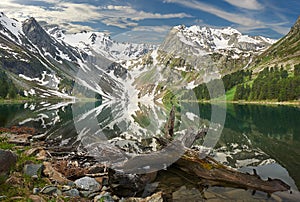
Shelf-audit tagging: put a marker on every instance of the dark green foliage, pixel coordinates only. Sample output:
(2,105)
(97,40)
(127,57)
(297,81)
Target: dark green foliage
(272,84)
(216,86)
(297,70)
(242,92)
(7,88)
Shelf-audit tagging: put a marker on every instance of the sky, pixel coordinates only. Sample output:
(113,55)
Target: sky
(149,21)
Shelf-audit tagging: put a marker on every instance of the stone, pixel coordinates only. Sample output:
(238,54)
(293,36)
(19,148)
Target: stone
(105,188)
(54,174)
(49,190)
(36,190)
(33,169)
(71,193)
(88,184)
(7,160)
(35,198)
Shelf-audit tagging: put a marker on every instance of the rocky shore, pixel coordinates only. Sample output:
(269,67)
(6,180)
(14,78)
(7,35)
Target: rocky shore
(36,170)
(33,170)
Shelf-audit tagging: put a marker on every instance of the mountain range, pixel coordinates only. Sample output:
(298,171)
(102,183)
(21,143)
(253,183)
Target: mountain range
(48,62)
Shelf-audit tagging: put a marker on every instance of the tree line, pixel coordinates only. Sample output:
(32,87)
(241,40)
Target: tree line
(213,88)
(7,87)
(271,84)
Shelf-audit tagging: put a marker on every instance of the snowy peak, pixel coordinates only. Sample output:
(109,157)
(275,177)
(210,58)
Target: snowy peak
(11,28)
(211,39)
(101,43)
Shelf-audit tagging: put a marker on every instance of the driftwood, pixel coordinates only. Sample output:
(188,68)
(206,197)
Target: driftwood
(211,172)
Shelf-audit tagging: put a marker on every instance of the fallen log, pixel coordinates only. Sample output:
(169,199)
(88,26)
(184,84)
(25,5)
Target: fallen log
(214,173)
(204,169)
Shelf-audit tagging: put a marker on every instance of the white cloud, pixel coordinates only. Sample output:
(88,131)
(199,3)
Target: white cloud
(231,17)
(129,12)
(72,13)
(246,4)
(60,14)
(119,22)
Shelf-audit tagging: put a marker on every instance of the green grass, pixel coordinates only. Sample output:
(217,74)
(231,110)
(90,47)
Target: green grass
(229,95)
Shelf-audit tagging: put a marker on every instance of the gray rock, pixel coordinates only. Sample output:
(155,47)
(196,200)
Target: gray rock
(49,190)
(72,193)
(34,177)
(88,184)
(71,184)
(104,188)
(36,190)
(33,169)
(7,160)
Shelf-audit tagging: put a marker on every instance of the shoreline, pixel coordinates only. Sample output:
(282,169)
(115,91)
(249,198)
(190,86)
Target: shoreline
(243,102)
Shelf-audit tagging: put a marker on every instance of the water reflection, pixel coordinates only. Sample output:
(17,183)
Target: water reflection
(264,137)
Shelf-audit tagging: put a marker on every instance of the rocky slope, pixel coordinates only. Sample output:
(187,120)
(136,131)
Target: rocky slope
(192,55)
(284,53)
(102,44)
(47,67)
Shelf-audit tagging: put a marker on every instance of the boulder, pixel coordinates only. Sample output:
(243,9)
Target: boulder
(7,160)
(33,169)
(88,184)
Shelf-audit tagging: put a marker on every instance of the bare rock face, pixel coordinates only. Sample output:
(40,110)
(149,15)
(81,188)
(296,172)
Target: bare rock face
(7,160)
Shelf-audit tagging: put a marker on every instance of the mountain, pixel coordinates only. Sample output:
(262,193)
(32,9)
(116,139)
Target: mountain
(192,55)
(227,48)
(102,44)
(42,66)
(285,52)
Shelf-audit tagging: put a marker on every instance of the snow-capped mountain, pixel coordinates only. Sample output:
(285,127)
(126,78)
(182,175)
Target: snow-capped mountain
(227,48)
(38,63)
(208,40)
(102,44)
(192,55)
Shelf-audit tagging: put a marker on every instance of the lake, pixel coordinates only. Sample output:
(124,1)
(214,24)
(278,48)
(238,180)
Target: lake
(266,138)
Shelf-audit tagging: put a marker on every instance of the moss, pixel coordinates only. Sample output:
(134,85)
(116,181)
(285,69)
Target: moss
(5,145)
(24,185)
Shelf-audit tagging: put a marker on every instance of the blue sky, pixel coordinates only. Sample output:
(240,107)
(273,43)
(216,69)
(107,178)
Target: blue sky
(150,20)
